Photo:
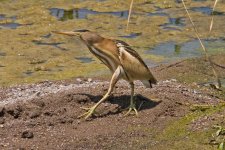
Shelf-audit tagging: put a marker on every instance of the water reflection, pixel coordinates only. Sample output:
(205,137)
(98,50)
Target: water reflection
(173,51)
(82,13)
(174,23)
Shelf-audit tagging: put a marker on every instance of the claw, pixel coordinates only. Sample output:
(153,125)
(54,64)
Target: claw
(130,109)
(87,114)
(85,108)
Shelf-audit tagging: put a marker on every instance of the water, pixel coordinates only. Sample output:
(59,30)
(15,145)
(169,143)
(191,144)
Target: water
(206,10)
(173,51)
(8,24)
(158,13)
(174,23)
(84,59)
(54,44)
(82,13)
(131,36)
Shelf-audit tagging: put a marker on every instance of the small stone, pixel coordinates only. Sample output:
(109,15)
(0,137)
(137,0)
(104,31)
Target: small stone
(2,111)
(1,126)
(2,120)
(79,80)
(38,93)
(27,134)
(89,79)
(35,114)
(15,111)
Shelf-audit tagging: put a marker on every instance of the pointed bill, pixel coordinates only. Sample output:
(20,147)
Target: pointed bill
(69,33)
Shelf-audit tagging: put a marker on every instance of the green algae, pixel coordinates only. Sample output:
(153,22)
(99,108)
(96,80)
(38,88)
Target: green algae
(21,49)
(178,135)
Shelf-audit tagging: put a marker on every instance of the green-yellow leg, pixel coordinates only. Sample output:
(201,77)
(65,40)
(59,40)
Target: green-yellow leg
(113,81)
(132,104)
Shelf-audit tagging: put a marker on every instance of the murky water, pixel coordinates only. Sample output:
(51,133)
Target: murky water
(206,10)
(9,23)
(83,13)
(84,59)
(173,51)
(131,36)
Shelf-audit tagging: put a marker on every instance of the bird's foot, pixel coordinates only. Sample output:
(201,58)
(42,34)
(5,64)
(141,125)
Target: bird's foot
(89,113)
(130,109)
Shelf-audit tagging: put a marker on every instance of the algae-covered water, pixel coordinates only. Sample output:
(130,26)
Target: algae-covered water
(159,31)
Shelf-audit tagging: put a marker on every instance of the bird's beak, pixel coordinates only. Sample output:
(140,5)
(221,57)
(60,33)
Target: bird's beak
(70,33)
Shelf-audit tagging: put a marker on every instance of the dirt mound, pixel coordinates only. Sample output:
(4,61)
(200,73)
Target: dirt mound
(47,119)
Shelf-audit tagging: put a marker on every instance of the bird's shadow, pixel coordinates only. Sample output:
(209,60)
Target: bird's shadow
(123,101)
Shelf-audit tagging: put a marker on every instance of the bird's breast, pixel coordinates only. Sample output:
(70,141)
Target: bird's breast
(105,58)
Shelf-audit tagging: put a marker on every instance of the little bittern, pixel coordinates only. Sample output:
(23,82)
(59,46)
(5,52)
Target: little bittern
(122,61)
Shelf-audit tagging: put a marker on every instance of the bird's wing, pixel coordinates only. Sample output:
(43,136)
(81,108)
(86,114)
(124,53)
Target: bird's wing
(128,48)
(133,64)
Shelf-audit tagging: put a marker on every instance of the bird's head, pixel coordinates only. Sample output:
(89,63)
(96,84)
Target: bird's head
(87,36)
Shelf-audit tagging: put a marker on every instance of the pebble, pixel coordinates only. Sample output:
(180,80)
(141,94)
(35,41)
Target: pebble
(27,134)
(89,79)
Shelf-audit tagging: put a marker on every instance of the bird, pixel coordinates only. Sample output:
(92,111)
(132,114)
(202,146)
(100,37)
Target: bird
(123,62)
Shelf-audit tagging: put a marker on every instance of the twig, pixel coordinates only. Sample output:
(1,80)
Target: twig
(130,10)
(173,64)
(203,47)
(218,65)
(211,24)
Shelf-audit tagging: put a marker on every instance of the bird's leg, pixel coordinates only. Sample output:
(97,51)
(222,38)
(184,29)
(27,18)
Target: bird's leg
(114,79)
(132,104)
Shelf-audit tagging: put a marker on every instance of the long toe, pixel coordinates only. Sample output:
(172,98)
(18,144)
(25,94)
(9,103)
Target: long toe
(131,110)
(90,112)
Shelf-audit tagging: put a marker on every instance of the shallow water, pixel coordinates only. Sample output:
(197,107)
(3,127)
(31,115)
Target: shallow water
(10,22)
(172,51)
(84,59)
(82,13)
(206,10)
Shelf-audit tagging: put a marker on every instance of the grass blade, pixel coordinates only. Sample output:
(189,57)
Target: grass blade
(130,10)
(211,23)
